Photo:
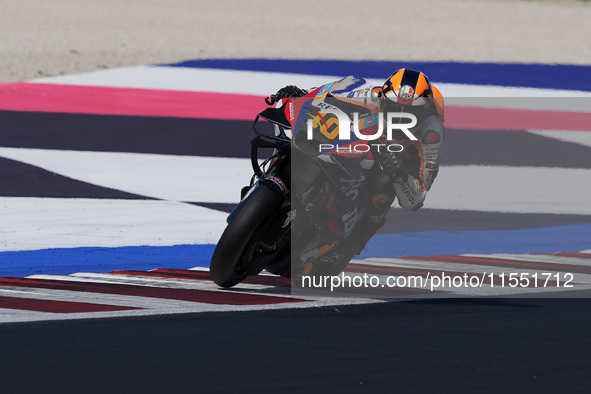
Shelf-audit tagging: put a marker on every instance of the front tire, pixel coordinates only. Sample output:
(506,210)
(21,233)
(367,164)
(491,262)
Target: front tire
(230,263)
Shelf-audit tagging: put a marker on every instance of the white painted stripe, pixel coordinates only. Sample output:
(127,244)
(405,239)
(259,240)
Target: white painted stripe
(168,177)
(473,269)
(39,223)
(512,189)
(456,90)
(582,280)
(466,278)
(174,307)
(213,179)
(190,79)
(265,83)
(554,259)
(163,282)
(105,299)
(21,291)
(160,305)
(206,269)
(16,315)
(577,137)
(156,306)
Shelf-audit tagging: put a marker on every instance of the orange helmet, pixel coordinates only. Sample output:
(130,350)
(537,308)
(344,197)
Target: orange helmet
(410,91)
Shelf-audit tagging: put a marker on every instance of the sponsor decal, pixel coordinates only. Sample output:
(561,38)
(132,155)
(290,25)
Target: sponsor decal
(406,92)
(407,192)
(327,124)
(291,112)
(278,182)
(323,92)
(349,220)
(368,121)
(431,137)
(359,93)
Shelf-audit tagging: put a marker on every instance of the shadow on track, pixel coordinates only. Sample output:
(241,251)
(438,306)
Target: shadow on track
(476,345)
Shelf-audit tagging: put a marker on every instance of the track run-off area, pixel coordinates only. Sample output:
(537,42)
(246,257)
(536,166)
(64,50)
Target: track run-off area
(116,185)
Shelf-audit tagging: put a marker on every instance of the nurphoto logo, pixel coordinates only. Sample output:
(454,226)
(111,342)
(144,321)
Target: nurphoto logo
(334,123)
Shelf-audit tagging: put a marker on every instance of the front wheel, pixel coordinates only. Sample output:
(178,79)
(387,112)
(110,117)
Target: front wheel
(239,252)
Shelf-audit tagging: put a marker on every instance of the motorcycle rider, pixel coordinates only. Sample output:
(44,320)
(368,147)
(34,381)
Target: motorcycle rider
(406,175)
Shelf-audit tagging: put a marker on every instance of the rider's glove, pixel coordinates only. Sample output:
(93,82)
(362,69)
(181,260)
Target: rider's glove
(392,166)
(286,92)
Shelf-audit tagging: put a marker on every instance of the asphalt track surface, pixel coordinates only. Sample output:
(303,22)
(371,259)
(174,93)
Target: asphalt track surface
(479,345)
(455,345)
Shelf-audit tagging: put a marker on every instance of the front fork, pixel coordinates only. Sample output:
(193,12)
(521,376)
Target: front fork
(277,177)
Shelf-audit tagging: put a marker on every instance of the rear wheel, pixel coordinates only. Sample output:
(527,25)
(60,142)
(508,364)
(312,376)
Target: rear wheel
(243,248)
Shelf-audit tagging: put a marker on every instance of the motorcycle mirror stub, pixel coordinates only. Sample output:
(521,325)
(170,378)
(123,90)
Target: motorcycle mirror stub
(276,115)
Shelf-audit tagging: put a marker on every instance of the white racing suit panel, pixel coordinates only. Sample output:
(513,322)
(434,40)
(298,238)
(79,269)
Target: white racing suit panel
(422,160)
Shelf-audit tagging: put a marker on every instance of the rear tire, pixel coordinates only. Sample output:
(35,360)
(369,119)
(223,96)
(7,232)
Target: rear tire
(228,266)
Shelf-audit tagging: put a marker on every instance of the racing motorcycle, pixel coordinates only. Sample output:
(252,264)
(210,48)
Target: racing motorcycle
(306,198)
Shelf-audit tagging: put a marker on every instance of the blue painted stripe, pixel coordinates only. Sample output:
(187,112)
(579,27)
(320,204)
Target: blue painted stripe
(70,260)
(571,238)
(569,77)
(428,243)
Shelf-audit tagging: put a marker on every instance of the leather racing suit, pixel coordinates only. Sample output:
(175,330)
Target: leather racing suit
(421,157)
(416,166)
